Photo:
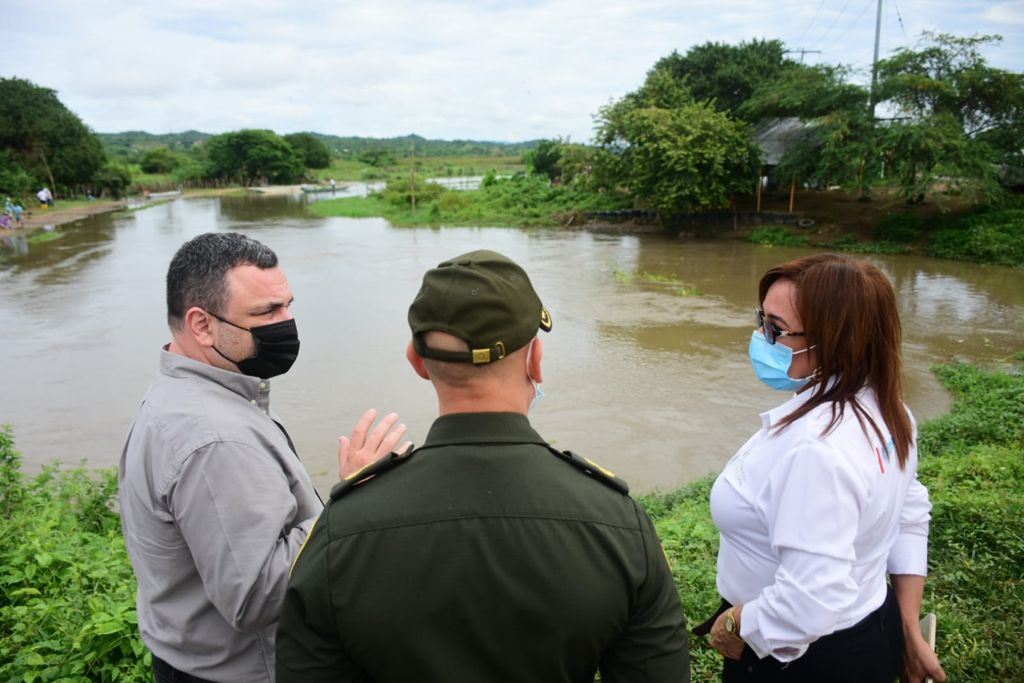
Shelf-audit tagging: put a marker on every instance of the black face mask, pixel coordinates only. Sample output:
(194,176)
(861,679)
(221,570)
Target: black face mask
(277,347)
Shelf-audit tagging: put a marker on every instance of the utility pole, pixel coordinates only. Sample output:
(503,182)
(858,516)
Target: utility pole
(874,62)
(802,51)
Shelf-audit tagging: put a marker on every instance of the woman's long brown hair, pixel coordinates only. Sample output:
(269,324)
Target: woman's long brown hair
(849,314)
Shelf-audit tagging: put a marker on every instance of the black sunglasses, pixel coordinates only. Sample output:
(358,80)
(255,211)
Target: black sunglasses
(772,332)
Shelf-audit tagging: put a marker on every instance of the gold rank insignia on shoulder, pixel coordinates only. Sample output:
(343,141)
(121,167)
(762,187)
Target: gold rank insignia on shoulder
(374,469)
(592,469)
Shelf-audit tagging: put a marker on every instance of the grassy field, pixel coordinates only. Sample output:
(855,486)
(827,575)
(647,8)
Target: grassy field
(425,167)
(516,201)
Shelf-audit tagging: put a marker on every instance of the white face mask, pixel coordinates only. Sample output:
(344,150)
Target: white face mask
(538,393)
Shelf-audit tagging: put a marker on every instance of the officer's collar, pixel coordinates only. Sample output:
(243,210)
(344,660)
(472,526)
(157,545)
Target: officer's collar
(463,428)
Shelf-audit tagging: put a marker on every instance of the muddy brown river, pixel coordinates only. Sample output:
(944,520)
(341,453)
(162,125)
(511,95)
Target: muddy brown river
(646,367)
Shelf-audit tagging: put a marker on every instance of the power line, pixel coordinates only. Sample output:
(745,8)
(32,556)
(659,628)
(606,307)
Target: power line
(808,27)
(834,22)
(855,21)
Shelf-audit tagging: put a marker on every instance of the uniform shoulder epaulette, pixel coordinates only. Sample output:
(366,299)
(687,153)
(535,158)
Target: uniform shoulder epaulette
(592,470)
(374,469)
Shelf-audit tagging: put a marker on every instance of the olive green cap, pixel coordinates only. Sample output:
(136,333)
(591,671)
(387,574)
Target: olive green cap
(483,298)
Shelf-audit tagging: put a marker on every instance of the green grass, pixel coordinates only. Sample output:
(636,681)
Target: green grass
(671,282)
(426,167)
(777,237)
(516,201)
(984,236)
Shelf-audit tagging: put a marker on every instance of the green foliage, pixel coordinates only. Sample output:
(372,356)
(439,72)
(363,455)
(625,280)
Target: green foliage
(852,243)
(776,236)
(988,236)
(67,591)
(113,179)
(669,282)
(901,228)
(159,160)
(311,149)
(47,141)
(14,180)
(253,155)
(690,539)
(673,154)
(989,409)
(377,157)
(544,160)
(517,201)
(726,75)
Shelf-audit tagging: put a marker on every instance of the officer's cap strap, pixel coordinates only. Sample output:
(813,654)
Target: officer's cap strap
(376,468)
(592,469)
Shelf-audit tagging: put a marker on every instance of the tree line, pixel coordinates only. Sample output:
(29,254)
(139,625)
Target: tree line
(938,119)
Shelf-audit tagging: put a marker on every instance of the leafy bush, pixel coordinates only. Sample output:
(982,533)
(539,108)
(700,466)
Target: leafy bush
(988,236)
(852,243)
(901,228)
(67,591)
(777,237)
(113,178)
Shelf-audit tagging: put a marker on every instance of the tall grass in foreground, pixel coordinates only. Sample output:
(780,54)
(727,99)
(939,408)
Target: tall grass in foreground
(67,607)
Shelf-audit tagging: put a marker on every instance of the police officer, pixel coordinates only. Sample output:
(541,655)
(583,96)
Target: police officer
(485,554)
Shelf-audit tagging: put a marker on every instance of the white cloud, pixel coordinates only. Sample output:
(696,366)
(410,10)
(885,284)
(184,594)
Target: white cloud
(443,69)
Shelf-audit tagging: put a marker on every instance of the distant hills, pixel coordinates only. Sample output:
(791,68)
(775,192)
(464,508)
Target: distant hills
(130,144)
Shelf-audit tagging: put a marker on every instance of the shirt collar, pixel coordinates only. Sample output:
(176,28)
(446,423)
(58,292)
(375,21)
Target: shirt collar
(252,389)
(465,428)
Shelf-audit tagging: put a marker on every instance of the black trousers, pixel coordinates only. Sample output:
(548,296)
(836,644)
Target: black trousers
(165,673)
(870,651)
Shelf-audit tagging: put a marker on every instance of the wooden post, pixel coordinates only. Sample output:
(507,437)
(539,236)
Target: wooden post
(757,192)
(792,194)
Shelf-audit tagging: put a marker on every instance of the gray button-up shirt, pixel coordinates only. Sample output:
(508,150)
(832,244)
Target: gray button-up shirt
(215,505)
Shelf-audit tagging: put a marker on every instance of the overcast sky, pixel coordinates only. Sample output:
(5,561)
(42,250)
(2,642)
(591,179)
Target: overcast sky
(487,70)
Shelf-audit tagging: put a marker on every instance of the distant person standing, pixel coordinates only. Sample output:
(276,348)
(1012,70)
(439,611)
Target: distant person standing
(45,197)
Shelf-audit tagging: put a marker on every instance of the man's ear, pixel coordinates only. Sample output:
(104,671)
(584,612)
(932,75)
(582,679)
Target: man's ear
(534,363)
(198,325)
(416,361)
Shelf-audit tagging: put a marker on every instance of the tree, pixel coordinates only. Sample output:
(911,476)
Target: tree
(727,74)
(113,178)
(545,158)
(311,150)
(45,138)
(674,154)
(159,160)
(956,118)
(253,155)
(377,157)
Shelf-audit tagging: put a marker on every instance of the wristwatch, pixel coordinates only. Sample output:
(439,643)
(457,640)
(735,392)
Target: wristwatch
(730,623)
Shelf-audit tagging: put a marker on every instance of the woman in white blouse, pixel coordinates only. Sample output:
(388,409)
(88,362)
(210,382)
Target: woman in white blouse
(822,504)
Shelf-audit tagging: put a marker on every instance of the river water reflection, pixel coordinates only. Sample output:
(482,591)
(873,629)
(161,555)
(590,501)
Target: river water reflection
(652,384)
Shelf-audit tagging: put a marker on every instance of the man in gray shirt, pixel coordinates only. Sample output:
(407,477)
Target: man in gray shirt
(215,504)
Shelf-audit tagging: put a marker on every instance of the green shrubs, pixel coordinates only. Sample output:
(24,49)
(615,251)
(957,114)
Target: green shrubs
(519,200)
(67,591)
(987,236)
(777,237)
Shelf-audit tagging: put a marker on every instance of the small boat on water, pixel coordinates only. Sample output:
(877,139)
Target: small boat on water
(164,195)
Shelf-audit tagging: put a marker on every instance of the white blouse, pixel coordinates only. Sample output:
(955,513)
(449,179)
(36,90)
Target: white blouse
(810,525)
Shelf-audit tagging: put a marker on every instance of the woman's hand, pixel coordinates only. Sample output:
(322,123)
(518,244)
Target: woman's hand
(730,645)
(919,660)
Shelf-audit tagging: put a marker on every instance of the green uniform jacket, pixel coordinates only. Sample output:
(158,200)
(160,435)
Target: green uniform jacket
(484,558)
